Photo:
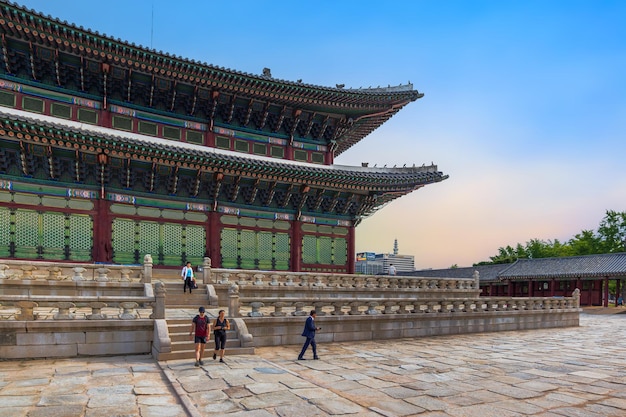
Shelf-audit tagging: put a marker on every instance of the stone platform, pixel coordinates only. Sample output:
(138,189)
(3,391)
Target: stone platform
(549,373)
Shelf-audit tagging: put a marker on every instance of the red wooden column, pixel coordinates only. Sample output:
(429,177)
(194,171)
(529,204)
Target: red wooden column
(214,232)
(351,250)
(552,285)
(102,232)
(618,290)
(296,246)
(605,289)
(530,288)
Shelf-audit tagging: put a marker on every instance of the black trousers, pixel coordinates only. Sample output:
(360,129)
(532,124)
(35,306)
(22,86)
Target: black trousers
(309,341)
(188,283)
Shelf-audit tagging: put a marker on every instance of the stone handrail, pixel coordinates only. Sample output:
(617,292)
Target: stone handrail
(60,271)
(24,306)
(252,307)
(321,280)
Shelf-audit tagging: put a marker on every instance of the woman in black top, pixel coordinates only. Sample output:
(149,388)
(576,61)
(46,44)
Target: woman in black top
(220,326)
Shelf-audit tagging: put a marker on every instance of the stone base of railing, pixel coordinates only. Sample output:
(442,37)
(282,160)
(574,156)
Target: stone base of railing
(353,328)
(70,338)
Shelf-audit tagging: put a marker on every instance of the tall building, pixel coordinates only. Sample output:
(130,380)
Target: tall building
(378,263)
(109,151)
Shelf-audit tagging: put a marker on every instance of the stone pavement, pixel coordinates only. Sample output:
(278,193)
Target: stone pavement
(574,372)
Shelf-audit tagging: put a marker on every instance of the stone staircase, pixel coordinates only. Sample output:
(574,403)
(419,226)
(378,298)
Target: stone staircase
(178,328)
(184,348)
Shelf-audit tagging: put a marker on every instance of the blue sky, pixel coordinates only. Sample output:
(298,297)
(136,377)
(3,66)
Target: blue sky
(524,106)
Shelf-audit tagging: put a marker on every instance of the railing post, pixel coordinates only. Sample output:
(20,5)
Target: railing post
(233,300)
(206,270)
(147,269)
(26,310)
(158,311)
(576,295)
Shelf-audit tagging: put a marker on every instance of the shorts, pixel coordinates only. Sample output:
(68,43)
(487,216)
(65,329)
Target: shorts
(200,339)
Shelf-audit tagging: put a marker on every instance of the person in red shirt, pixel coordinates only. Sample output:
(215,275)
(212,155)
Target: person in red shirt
(200,328)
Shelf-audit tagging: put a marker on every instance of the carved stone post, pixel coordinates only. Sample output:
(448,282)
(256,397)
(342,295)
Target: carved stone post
(102,274)
(96,311)
(128,312)
(147,269)
(576,295)
(54,273)
(158,311)
(354,308)
(289,282)
(206,271)
(256,309)
(258,279)
(337,311)
(371,308)
(27,271)
(26,310)
(64,311)
(318,308)
(78,273)
(389,307)
(125,275)
(299,309)
(233,300)
(278,309)
(3,268)
(274,280)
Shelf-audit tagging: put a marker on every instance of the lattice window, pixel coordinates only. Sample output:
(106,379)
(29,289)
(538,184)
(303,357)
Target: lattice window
(26,228)
(228,249)
(282,252)
(5,231)
(172,244)
(247,249)
(195,239)
(324,250)
(53,235)
(265,248)
(149,239)
(172,239)
(80,237)
(309,249)
(123,235)
(340,251)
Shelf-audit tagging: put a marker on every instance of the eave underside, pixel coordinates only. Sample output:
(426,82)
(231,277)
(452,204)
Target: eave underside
(66,153)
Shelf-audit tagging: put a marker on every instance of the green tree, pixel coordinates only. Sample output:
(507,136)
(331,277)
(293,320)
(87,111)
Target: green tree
(586,243)
(612,231)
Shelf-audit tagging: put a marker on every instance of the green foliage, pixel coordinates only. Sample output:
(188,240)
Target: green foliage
(610,238)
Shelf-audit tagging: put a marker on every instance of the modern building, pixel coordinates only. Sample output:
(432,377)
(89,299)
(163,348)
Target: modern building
(378,263)
(109,151)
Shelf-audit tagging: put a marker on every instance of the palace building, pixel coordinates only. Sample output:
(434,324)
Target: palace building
(110,151)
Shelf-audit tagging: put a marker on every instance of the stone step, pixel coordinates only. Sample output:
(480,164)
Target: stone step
(208,353)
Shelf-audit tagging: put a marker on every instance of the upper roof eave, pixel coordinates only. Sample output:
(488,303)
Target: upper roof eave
(392,94)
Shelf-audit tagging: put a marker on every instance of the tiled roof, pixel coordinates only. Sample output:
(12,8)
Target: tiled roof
(588,266)
(487,273)
(387,183)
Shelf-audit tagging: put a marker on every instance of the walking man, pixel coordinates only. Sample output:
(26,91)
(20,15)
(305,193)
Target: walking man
(309,333)
(200,328)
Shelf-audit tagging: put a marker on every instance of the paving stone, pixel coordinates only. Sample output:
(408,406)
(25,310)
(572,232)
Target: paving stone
(13,411)
(619,403)
(237,392)
(71,410)
(18,400)
(396,408)
(49,400)
(336,406)
(121,410)
(162,411)
(264,387)
(271,399)
(102,400)
(300,410)
(220,407)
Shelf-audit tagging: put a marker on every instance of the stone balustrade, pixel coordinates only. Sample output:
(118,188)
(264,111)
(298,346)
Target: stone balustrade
(56,271)
(280,307)
(337,281)
(28,307)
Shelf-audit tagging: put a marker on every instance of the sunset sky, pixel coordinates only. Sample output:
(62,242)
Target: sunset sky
(524,106)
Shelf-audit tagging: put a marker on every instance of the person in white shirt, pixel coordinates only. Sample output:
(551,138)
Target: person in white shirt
(187,276)
(392,269)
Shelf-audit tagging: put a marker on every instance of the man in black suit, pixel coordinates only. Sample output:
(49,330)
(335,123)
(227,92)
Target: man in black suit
(309,333)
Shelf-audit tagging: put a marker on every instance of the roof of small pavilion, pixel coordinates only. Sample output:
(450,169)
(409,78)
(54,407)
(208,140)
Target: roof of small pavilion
(607,265)
(486,273)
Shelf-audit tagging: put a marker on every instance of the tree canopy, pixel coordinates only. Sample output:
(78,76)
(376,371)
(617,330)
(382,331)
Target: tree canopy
(609,238)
